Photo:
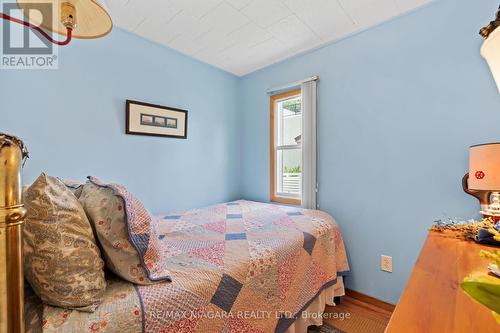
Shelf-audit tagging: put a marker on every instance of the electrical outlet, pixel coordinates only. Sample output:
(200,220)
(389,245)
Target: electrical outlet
(386,263)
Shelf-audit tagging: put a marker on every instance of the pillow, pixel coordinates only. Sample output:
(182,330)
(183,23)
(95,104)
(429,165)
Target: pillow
(61,259)
(74,185)
(125,231)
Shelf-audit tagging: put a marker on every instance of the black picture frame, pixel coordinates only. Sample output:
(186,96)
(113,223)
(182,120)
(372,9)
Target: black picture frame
(130,102)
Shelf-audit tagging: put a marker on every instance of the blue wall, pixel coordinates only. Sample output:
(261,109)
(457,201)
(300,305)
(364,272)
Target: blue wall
(398,107)
(73,121)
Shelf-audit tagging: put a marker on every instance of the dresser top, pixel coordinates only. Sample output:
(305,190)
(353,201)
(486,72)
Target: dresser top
(433,300)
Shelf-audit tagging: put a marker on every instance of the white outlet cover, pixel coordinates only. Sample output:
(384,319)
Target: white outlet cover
(386,263)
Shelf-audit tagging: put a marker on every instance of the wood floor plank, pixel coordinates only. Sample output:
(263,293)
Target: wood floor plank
(358,316)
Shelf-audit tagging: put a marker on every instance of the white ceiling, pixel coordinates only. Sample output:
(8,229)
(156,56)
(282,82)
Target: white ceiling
(241,36)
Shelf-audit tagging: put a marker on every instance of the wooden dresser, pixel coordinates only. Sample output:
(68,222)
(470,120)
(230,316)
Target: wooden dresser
(433,300)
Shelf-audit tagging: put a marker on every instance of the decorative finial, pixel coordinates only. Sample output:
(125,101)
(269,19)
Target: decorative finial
(9,140)
(487,30)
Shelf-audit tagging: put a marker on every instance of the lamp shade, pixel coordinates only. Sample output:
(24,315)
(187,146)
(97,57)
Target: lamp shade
(91,19)
(491,52)
(484,167)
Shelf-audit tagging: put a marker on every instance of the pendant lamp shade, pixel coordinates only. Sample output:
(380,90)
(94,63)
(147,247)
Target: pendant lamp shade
(491,52)
(90,18)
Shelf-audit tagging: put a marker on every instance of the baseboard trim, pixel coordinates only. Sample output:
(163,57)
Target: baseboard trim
(370,300)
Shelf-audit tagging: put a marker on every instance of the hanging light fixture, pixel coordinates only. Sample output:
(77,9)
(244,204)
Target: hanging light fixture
(491,47)
(70,18)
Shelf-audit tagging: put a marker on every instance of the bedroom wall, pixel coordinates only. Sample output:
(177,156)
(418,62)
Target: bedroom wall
(73,121)
(399,105)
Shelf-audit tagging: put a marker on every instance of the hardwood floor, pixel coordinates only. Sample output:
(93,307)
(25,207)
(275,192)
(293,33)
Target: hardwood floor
(355,315)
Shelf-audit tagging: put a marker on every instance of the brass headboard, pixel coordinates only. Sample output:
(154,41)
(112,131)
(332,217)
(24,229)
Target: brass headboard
(12,155)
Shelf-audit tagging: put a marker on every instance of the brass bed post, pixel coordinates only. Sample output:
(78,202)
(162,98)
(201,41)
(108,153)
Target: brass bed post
(12,212)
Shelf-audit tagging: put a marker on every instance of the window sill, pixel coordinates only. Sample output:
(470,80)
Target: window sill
(288,201)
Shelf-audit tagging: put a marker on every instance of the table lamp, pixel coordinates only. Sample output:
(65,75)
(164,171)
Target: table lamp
(483,179)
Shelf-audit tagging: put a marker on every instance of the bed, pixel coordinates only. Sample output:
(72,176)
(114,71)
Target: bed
(240,266)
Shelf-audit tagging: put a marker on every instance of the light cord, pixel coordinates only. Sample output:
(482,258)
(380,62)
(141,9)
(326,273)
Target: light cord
(40,30)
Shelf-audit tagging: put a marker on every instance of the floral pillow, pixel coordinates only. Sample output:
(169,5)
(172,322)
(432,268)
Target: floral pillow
(125,231)
(75,186)
(62,261)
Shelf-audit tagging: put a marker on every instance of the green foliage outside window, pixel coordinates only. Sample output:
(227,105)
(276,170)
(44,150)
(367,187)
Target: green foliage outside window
(294,169)
(292,105)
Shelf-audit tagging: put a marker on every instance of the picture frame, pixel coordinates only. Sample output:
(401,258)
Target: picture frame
(155,120)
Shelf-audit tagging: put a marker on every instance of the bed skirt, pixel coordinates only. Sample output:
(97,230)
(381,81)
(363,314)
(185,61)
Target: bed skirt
(313,314)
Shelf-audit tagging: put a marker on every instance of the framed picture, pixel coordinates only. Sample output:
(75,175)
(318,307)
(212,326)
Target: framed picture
(155,120)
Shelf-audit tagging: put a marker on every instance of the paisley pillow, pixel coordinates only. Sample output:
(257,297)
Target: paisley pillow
(61,259)
(124,229)
(74,186)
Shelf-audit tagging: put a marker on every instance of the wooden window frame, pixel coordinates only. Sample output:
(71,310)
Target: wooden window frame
(273,196)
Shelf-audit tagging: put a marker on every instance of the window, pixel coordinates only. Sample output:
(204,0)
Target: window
(286,148)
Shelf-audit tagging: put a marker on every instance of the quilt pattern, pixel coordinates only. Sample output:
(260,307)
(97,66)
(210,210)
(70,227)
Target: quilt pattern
(241,267)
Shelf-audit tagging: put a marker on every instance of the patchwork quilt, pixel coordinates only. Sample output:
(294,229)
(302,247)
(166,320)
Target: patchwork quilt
(235,267)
